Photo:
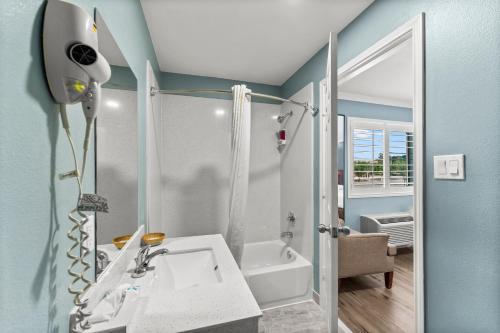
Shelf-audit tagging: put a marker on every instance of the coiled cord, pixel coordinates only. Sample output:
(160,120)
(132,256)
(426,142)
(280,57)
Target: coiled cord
(78,218)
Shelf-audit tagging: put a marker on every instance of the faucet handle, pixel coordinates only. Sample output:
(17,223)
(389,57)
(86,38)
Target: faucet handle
(141,255)
(144,250)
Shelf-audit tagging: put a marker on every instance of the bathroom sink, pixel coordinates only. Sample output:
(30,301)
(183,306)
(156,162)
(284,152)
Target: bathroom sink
(186,269)
(195,286)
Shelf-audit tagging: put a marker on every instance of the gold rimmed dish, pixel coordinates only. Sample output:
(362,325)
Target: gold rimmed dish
(120,241)
(153,238)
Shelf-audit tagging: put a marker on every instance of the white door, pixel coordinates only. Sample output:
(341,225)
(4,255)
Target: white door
(329,191)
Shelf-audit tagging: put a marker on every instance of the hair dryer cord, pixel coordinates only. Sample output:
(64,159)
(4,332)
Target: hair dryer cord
(78,218)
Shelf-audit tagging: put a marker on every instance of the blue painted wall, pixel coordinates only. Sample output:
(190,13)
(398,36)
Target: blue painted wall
(33,150)
(462,269)
(312,71)
(184,81)
(355,207)
(462,102)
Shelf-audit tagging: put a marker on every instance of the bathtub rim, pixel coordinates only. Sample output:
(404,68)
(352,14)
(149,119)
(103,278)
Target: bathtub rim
(298,262)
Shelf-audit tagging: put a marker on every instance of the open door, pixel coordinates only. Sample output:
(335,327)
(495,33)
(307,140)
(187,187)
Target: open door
(328,227)
(329,185)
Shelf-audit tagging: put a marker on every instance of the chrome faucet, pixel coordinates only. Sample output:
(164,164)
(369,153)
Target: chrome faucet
(144,258)
(102,260)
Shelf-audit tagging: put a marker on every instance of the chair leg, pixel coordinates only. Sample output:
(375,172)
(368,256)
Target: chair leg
(388,279)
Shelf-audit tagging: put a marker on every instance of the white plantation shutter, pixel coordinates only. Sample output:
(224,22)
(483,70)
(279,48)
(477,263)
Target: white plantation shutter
(380,157)
(400,158)
(368,161)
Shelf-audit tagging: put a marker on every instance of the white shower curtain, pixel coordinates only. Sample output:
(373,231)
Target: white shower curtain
(240,164)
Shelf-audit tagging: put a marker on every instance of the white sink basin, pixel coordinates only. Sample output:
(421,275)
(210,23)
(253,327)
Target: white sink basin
(186,269)
(196,286)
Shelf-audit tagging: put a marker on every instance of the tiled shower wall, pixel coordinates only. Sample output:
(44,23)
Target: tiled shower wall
(297,174)
(196,134)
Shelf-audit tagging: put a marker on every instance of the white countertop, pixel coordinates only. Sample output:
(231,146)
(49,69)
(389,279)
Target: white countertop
(201,306)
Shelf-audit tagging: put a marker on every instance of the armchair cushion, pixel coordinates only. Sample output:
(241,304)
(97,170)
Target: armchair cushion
(361,254)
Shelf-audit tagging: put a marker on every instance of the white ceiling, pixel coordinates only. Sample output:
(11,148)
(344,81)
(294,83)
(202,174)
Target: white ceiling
(107,44)
(389,82)
(263,41)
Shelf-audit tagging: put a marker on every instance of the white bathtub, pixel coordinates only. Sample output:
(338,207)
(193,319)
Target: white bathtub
(276,274)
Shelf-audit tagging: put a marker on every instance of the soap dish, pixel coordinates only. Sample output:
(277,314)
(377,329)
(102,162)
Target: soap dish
(153,238)
(121,241)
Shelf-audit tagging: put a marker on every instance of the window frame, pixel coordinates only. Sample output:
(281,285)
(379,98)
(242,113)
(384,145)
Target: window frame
(387,126)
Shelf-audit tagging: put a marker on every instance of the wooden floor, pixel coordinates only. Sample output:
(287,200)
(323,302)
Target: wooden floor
(365,305)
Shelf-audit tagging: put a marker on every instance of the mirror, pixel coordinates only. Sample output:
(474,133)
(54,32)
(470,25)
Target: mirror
(115,151)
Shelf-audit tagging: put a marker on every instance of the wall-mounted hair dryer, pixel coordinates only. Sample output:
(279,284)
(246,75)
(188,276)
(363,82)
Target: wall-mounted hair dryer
(74,67)
(75,71)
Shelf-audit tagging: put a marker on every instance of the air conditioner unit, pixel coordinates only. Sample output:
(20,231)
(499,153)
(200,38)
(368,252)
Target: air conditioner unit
(399,227)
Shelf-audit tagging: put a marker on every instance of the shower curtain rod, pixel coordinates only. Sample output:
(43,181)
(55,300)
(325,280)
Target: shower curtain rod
(154,91)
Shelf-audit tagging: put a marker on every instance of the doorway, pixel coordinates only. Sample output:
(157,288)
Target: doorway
(380,158)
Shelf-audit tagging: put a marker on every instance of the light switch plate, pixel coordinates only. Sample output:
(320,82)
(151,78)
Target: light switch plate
(449,167)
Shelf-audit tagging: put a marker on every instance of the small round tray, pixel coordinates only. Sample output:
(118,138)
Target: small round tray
(120,241)
(153,238)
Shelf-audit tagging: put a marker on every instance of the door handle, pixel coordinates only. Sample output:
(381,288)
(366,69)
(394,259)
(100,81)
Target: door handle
(334,231)
(323,228)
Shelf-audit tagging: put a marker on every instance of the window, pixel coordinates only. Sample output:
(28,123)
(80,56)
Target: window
(380,157)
